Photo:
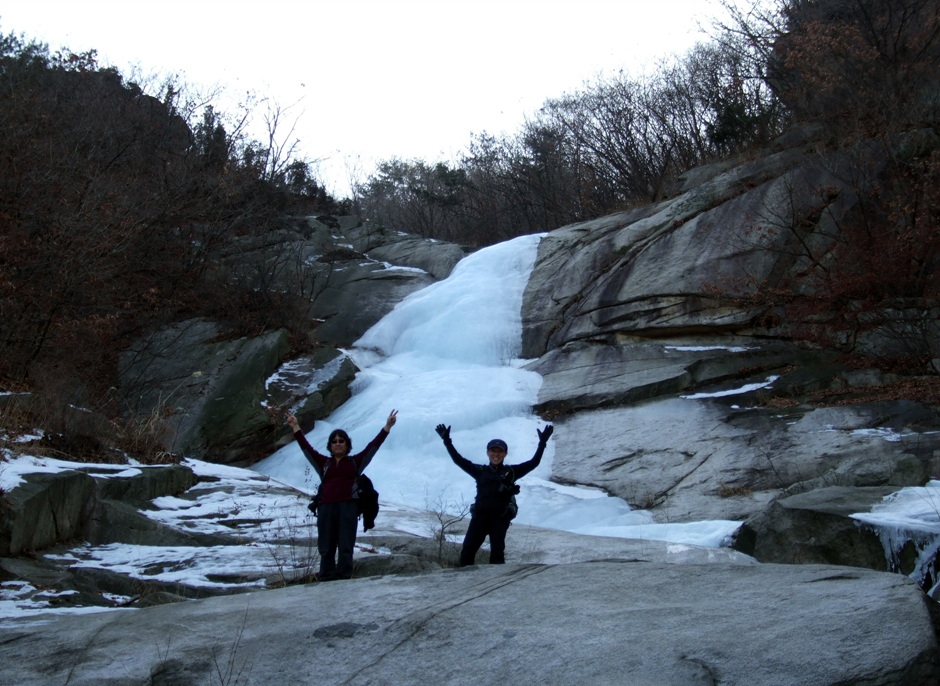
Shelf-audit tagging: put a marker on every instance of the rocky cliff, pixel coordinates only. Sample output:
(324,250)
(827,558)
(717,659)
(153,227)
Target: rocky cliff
(683,401)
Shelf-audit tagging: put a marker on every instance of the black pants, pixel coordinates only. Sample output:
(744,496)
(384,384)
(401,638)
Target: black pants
(336,528)
(482,525)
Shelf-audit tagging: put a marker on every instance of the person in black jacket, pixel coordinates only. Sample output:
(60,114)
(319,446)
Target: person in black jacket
(494,506)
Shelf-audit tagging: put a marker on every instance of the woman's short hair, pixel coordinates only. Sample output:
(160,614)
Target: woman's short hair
(342,434)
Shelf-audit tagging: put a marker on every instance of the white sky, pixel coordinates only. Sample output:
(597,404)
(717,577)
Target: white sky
(407,78)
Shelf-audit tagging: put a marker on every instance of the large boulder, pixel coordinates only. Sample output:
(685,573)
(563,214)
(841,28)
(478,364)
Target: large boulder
(114,521)
(209,391)
(850,526)
(357,292)
(437,259)
(582,375)
(691,432)
(311,386)
(598,622)
(46,509)
(674,390)
(817,527)
(91,503)
(215,396)
(139,485)
(657,271)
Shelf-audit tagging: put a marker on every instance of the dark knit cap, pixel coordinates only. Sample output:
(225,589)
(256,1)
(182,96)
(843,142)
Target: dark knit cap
(498,443)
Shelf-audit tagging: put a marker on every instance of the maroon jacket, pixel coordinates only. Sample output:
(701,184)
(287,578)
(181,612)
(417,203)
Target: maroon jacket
(339,479)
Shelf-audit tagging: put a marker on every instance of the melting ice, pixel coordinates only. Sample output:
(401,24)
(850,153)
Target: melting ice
(911,515)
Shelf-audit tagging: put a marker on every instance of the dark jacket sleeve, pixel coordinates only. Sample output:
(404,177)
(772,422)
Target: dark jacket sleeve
(363,459)
(520,470)
(462,462)
(317,460)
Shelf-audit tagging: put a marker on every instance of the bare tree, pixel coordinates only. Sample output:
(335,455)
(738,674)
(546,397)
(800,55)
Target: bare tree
(447,514)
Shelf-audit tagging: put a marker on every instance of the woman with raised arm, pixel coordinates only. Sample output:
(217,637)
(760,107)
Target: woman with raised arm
(495,506)
(338,511)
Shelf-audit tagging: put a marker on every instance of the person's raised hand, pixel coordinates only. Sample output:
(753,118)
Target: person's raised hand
(292,421)
(443,432)
(392,418)
(545,433)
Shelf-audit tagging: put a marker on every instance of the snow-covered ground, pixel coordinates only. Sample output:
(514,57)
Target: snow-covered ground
(275,540)
(271,520)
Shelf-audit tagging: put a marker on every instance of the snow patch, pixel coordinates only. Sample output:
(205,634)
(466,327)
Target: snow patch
(735,391)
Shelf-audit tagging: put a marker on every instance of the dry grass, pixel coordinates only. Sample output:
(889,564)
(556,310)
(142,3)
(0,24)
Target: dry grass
(36,424)
(781,403)
(552,415)
(144,436)
(17,422)
(726,491)
(4,501)
(922,389)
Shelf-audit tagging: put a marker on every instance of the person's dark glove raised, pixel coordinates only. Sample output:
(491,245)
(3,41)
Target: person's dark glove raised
(443,432)
(545,434)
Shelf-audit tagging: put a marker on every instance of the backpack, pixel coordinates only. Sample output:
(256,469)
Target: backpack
(512,509)
(368,502)
(314,502)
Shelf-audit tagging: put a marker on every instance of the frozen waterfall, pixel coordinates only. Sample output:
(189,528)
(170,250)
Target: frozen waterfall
(449,354)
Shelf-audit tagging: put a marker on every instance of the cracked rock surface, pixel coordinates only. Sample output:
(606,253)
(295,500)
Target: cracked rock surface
(605,622)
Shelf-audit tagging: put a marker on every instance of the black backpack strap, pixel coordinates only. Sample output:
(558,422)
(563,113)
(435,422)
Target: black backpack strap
(512,508)
(315,500)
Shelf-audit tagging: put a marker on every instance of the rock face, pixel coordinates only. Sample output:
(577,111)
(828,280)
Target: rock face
(678,400)
(313,385)
(437,258)
(650,272)
(350,273)
(48,509)
(214,388)
(596,622)
(356,292)
(688,459)
(53,508)
(815,527)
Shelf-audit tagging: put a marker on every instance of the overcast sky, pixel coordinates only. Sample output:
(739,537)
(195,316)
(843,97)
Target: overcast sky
(375,79)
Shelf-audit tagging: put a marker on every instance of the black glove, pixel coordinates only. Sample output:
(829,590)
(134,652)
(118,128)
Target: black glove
(443,432)
(545,434)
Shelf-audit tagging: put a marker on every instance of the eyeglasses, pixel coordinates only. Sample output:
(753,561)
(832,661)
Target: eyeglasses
(338,440)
